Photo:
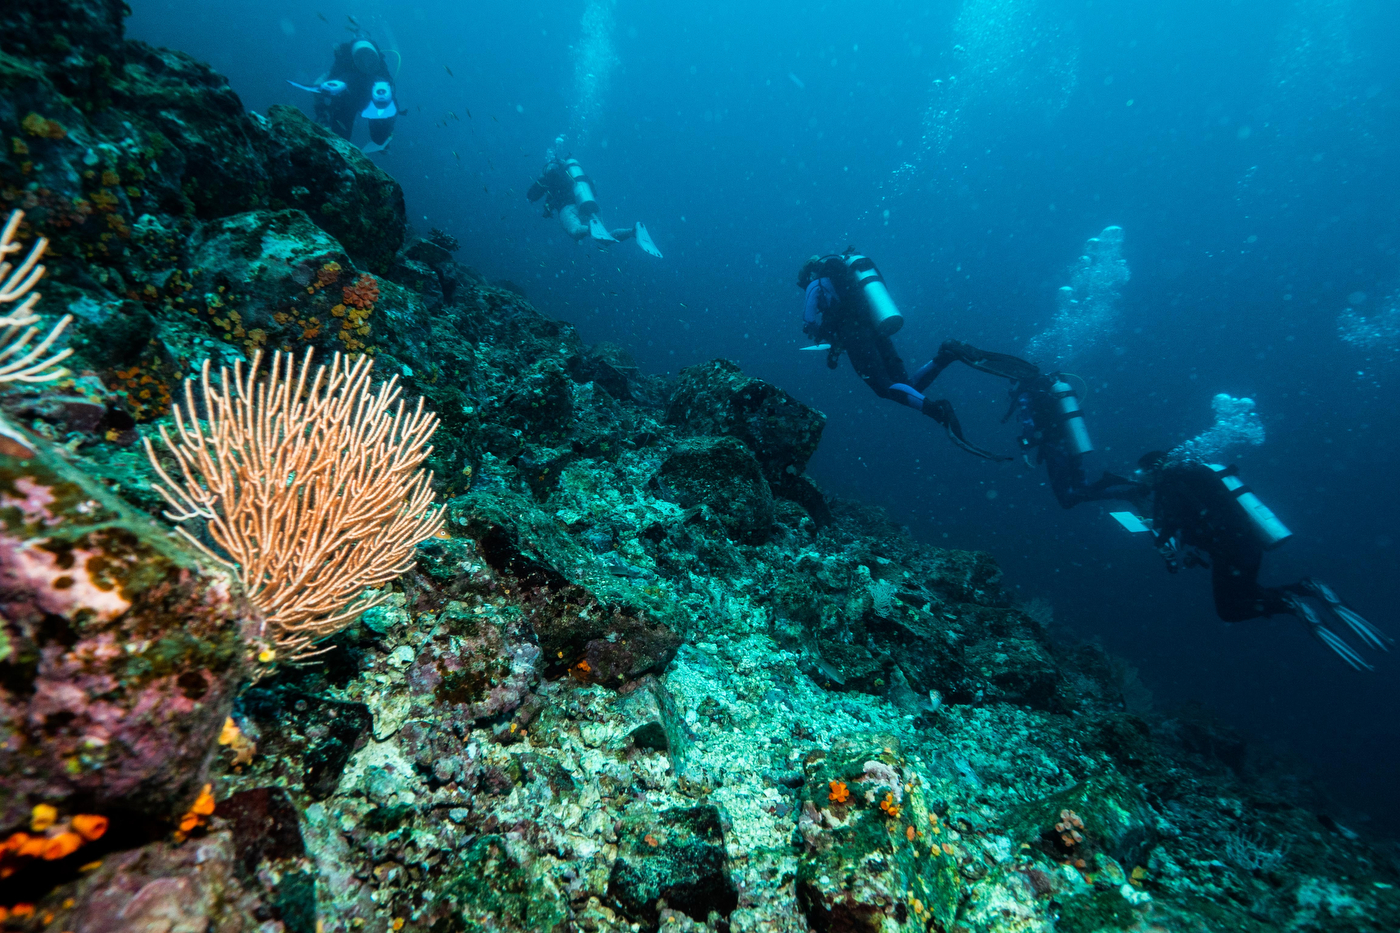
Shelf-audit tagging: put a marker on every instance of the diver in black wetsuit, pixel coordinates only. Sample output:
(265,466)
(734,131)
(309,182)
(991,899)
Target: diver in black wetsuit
(1051,423)
(358,84)
(1052,426)
(1199,507)
(836,315)
(569,194)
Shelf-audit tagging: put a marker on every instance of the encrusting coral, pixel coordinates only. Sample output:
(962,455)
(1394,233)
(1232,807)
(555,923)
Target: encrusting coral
(311,487)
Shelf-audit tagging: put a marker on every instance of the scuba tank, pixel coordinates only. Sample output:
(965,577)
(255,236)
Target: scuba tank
(884,315)
(1071,417)
(583,187)
(1267,528)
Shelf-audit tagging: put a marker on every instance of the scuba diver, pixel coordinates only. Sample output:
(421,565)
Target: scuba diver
(1204,507)
(358,84)
(1052,423)
(848,309)
(568,193)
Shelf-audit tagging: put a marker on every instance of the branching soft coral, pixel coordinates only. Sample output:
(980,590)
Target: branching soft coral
(19,362)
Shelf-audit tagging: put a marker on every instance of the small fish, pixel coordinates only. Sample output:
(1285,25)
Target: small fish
(684,306)
(322,18)
(453,115)
(449,72)
(797,81)
(493,117)
(469,113)
(456,156)
(486,189)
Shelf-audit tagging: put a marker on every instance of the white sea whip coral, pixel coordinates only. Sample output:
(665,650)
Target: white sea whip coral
(19,362)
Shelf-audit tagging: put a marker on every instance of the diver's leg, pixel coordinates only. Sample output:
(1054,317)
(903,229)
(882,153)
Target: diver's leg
(624,233)
(1115,487)
(997,364)
(1066,473)
(571,222)
(381,130)
(863,350)
(1235,585)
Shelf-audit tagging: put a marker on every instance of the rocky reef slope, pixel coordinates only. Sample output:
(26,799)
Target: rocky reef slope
(650,678)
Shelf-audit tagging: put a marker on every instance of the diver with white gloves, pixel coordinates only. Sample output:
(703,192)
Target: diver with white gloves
(569,194)
(359,84)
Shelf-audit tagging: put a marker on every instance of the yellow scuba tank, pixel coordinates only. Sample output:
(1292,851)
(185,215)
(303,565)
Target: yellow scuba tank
(583,187)
(884,314)
(1071,416)
(1267,528)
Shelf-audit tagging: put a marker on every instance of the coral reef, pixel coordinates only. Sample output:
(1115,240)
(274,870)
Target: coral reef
(648,678)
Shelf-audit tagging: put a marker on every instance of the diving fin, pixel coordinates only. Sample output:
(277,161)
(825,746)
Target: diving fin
(598,231)
(645,241)
(1368,633)
(371,148)
(1364,630)
(1309,617)
(941,410)
(303,87)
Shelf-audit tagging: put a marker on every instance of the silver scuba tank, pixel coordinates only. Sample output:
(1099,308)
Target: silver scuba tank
(1071,417)
(884,314)
(583,187)
(1267,528)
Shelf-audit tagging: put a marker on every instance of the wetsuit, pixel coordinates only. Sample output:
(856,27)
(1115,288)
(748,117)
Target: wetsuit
(1042,428)
(835,315)
(1190,505)
(339,112)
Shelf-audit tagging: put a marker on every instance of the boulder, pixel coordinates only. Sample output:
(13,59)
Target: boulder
(120,653)
(163,887)
(721,475)
(716,398)
(862,870)
(676,856)
(339,188)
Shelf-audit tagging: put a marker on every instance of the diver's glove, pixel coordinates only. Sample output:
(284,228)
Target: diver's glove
(1309,617)
(1368,633)
(1170,550)
(941,410)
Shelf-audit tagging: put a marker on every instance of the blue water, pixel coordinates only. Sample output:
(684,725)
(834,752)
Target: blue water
(1248,148)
